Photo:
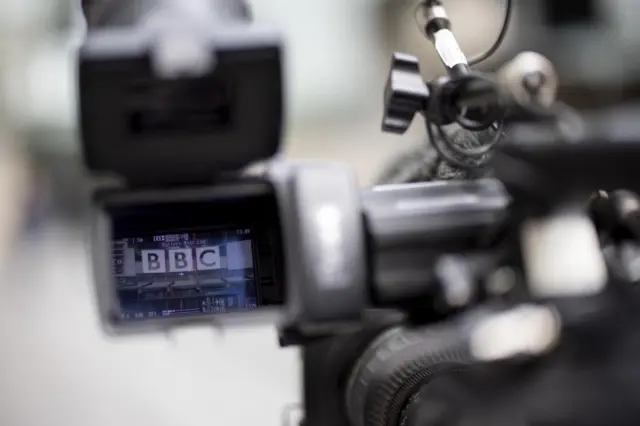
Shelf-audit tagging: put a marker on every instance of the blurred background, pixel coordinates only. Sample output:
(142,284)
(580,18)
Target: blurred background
(338,53)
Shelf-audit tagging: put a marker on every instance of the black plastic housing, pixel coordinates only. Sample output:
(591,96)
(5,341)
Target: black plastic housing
(150,130)
(410,226)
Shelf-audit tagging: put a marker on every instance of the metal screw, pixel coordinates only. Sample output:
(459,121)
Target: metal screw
(533,82)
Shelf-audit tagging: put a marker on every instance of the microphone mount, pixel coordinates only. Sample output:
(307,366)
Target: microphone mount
(476,101)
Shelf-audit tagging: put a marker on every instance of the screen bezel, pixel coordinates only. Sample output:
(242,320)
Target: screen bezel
(102,232)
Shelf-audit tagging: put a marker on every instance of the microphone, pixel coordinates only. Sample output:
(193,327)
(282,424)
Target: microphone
(464,115)
(465,111)
(438,30)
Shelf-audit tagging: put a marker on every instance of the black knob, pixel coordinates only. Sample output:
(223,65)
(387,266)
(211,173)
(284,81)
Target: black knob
(405,93)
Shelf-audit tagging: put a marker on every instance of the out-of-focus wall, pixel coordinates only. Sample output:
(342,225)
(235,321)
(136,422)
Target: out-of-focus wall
(336,64)
(335,79)
(335,71)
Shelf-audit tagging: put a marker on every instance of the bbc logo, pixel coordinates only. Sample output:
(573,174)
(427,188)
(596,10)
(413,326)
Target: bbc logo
(180,260)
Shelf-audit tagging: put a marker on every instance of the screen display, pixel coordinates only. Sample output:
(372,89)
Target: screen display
(185,273)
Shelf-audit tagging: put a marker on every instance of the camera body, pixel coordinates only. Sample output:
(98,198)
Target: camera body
(163,94)
(176,109)
(187,233)
(162,103)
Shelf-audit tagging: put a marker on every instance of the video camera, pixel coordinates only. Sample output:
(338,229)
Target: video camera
(188,235)
(506,299)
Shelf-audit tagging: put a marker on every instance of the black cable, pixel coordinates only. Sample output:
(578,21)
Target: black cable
(448,150)
(475,60)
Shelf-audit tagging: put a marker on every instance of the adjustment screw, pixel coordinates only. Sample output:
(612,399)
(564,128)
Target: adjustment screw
(533,82)
(405,94)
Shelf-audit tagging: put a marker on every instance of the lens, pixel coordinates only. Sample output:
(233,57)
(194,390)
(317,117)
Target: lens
(391,373)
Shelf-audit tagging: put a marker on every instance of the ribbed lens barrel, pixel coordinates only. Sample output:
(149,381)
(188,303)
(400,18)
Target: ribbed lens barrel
(396,367)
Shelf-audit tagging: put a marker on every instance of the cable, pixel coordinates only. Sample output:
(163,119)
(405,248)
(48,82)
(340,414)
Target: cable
(475,60)
(457,155)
